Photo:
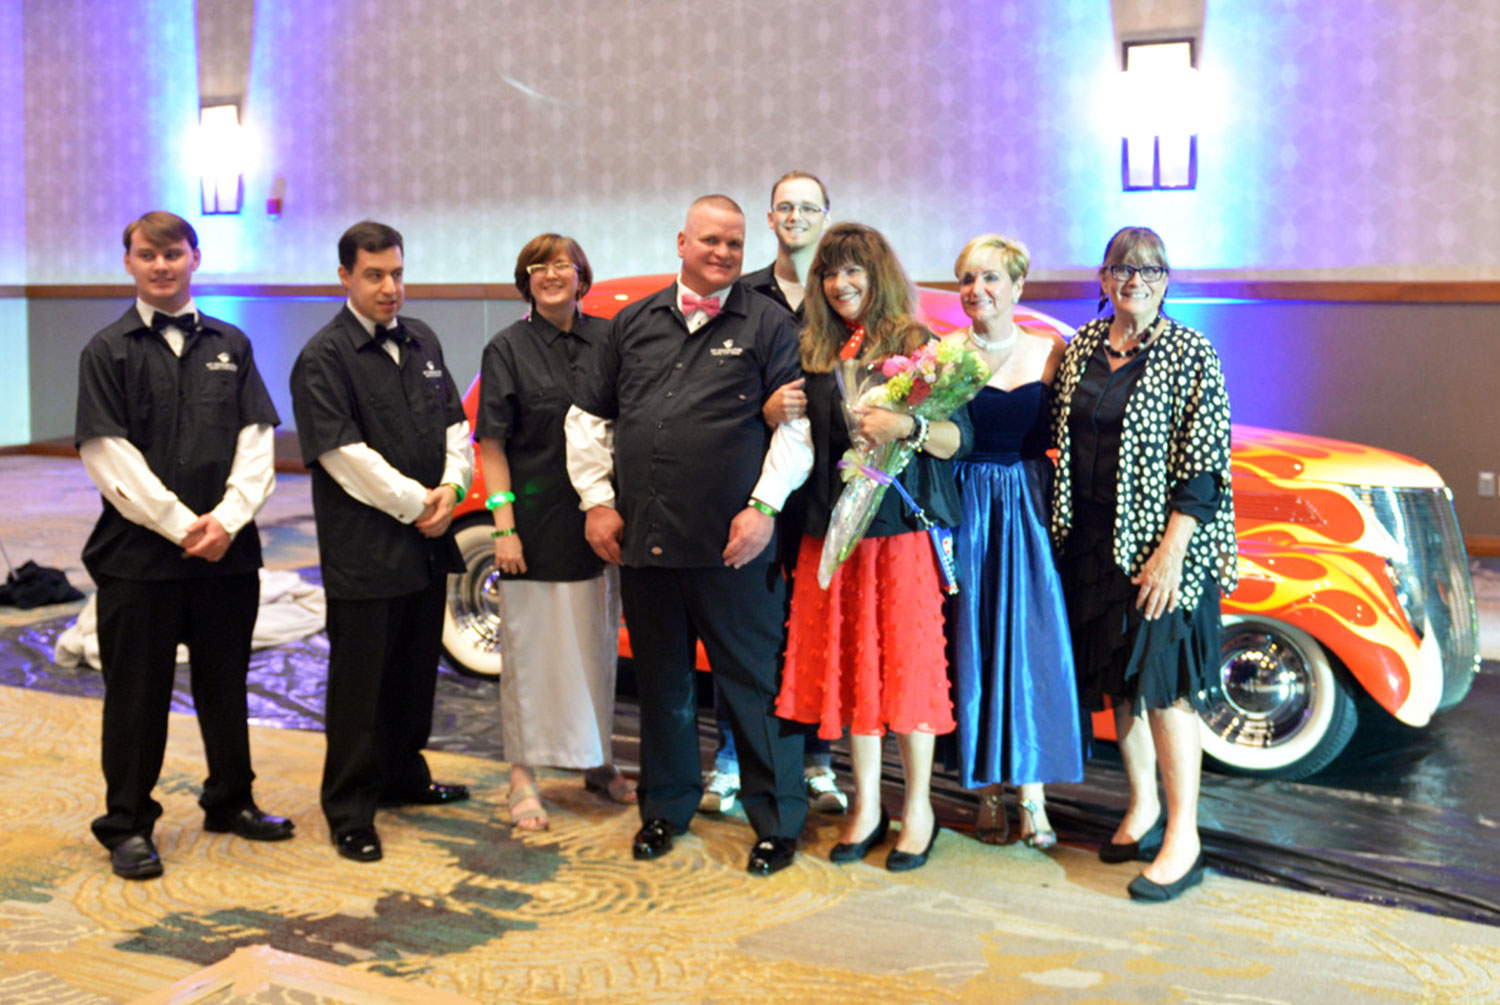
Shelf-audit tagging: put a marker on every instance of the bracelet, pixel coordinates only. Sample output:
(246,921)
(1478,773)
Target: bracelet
(765,508)
(458,491)
(499,499)
(507,532)
(920,429)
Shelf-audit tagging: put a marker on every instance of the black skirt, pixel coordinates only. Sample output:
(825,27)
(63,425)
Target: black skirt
(1120,657)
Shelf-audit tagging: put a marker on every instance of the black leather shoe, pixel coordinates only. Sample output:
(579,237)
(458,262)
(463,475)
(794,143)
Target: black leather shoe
(361,844)
(250,824)
(1131,851)
(654,839)
(135,858)
(843,853)
(1142,888)
(433,794)
(770,855)
(905,861)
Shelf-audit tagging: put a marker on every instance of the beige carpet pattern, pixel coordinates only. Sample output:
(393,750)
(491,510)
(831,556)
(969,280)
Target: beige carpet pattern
(463,906)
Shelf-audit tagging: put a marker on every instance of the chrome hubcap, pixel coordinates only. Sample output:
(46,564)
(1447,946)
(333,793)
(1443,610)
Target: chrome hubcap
(1265,691)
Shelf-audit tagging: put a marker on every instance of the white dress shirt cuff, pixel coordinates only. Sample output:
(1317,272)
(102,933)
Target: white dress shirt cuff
(788,462)
(119,470)
(252,476)
(591,457)
(458,461)
(369,478)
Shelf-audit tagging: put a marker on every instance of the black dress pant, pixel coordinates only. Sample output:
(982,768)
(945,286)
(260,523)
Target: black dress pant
(382,673)
(737,613)
(140,624)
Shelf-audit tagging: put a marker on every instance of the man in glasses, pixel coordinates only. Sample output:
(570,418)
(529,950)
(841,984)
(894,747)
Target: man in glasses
(384,434)
(799,212)
(174,426)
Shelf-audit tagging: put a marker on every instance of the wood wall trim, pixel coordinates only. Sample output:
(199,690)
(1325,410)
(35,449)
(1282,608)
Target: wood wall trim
(1335,291)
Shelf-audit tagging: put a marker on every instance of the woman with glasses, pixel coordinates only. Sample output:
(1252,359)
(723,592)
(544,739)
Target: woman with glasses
(868,654)
(1144,524)
(1014,693)
(559,604)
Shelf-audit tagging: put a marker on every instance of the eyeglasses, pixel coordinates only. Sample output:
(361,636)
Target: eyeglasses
(1148,273)
(807,209)
(557,268)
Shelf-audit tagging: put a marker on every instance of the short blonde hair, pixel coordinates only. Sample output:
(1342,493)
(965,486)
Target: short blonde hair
(1012,252)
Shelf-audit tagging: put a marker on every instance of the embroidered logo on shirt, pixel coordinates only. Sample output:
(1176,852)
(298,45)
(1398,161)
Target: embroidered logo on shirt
(431,371)
(223,363)
(728,349)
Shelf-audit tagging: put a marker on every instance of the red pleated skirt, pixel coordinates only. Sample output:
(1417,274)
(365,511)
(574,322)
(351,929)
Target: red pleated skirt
(868,654)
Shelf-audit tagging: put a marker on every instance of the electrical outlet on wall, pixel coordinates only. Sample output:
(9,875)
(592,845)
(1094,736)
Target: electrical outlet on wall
(1487,484)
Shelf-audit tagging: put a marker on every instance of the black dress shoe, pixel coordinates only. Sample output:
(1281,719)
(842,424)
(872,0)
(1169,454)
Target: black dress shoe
(771,854)
(135,858)
(250,824)
(843,853)
(432,794)
(654,839)
(905,861)
(1143,850)
(361,844)
(1142,888)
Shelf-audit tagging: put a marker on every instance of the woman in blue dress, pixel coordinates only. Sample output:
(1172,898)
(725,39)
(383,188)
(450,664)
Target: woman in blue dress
(1013,687)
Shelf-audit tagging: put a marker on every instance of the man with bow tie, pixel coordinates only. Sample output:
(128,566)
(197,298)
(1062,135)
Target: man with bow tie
(686,502)
(174,427)
(383,431)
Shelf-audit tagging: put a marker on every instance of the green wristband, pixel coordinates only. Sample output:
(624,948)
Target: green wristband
(507,532)
(765,508)
(499,499)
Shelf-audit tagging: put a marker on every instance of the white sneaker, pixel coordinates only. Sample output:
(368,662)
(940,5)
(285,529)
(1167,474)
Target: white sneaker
(719,790)
(823,792)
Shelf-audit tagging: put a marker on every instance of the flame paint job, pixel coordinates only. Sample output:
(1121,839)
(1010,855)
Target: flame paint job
(1310,554)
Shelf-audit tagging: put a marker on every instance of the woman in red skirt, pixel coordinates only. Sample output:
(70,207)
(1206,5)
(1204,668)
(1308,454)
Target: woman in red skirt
(867,654)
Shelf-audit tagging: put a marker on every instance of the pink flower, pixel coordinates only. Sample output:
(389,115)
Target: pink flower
(894,365)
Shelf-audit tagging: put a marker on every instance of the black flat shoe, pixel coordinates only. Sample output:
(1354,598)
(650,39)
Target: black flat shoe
(1142,888)
(361,845)
(905,861)
(1136,851)
(433,794)
(843,853)
(135,858)
(654,839)
(771,854)
(249,823)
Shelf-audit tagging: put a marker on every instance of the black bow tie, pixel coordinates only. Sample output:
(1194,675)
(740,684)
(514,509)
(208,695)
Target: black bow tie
(391,334)
(188,322)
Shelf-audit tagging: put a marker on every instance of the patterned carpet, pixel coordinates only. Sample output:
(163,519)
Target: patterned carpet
(462,905)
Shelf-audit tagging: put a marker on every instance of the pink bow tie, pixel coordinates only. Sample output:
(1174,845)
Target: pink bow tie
(708,305)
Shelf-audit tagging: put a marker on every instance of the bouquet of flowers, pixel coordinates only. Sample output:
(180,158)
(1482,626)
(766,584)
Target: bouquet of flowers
(929,384)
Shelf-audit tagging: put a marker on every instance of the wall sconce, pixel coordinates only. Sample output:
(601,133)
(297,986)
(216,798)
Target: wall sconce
(1160,95)
(222,149)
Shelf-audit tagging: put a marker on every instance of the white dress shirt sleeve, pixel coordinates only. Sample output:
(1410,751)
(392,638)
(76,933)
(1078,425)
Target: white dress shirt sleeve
(252,476)
(458,462)
(119,470)
(591,457)
(369,478)
(788,462)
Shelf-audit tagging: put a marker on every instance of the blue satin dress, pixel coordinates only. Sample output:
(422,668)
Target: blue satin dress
(1014,693)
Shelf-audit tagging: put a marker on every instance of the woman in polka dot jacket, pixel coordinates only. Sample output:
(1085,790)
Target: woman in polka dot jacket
(1144,523)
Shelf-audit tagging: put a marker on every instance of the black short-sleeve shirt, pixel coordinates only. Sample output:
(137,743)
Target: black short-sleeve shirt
(526,381)
(346,389)
(763,281)
(184,414)
(689,436)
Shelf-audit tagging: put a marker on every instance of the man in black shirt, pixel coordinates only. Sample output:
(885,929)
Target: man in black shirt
(684,375)
(174,426)
(384,434)
(797,216)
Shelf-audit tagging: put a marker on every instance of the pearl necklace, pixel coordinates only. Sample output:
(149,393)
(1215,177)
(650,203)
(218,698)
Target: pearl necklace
(998,344)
